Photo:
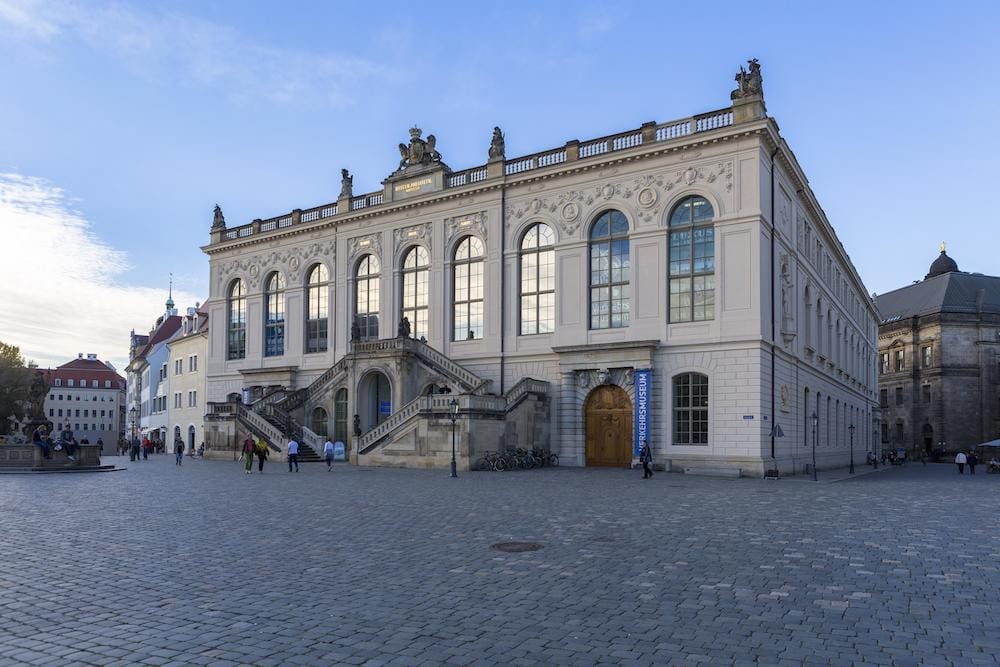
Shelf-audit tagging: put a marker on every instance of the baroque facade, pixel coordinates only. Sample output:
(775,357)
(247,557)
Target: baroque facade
(677,282)
(939,361)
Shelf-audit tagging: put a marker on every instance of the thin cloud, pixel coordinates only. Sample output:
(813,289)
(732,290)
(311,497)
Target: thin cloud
(60,292)
(191,51)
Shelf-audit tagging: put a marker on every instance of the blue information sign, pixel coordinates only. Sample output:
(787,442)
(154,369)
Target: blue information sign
(642,396)
(385,407)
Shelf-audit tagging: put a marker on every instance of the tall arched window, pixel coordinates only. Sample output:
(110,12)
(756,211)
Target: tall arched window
(468,275)
(236,345)
(320,422)
(317,309)
(538,280)
(609,271)
(807,423)
(274,318)
(691,409)
(692,261)
(416,272)
(366,297)
(808,317)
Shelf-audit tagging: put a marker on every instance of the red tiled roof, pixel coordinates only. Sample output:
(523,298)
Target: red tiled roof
(84,371)
(167,329)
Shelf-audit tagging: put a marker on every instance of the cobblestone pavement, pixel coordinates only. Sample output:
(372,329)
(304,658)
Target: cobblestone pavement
(201,564)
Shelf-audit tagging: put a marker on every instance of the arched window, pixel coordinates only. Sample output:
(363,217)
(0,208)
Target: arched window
(808,317)
(274,318)
(538,280)
(319,422)
(236,346)
(416,271)
(691,409)
(609,271)
(317,309)
(468,275)
(366,297)
(692,261)
(806,419)
(340,416)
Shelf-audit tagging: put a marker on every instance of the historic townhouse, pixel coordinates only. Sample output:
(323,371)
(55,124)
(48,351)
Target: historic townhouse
(87,395)
(678,282)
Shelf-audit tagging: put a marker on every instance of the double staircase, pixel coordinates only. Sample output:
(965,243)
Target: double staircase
(271,417)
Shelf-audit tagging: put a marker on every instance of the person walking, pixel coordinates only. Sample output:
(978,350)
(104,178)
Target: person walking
(293,455)
(960,460)
(644,458)
(248,448)
(178,451)
(262,454)
(972,460)
(328,454)
(134,450)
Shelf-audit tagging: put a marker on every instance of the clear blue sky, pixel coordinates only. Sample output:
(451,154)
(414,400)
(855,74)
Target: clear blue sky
(124,123)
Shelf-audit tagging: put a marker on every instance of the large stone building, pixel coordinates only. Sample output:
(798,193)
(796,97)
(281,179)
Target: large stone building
(88,395)
(939,361)
(678,281)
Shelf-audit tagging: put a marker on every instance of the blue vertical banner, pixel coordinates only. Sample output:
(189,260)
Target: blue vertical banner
(640,428)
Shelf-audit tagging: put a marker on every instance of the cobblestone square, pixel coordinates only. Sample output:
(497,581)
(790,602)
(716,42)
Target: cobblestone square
(203,565)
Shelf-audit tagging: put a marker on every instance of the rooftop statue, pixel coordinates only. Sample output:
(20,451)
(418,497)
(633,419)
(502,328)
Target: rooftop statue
(497,145)
(419,152)
(219,221)
(346,184)
(750,83)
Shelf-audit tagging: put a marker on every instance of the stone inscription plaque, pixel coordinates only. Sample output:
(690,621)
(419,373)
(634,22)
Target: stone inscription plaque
(412,187)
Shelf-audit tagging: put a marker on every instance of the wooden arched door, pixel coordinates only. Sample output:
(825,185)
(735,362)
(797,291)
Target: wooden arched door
(608,414)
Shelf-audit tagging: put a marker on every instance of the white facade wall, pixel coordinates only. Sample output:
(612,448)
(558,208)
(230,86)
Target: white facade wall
(734,349)
(191,351)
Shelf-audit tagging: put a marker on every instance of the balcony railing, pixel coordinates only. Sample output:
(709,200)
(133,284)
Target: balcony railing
(590,149)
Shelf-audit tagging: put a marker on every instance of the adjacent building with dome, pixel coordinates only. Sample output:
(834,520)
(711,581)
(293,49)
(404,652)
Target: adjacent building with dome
(677,282)
(939,361)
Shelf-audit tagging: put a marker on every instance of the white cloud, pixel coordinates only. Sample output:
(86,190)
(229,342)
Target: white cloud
(188,50)
(60,293)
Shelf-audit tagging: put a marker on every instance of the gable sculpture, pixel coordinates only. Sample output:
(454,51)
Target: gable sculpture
(419,152)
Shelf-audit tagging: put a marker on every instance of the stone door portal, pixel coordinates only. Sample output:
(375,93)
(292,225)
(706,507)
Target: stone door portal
(608,413)
(376,400)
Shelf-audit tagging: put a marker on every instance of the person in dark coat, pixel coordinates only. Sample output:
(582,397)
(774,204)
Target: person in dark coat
(972,460)
(645,457)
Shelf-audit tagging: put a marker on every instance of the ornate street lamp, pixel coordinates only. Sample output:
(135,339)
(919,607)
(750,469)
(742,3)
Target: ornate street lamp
(850,429)
(815,423)
(454,415)
(131,414)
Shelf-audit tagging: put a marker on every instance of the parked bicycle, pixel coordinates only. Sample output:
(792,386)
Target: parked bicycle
(516,459)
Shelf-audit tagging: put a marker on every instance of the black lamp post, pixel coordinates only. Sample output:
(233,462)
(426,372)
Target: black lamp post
(131,414)
(454,415)
(850,429)
(815,422)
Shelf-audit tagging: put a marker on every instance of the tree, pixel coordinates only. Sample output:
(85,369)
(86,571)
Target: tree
(15,385)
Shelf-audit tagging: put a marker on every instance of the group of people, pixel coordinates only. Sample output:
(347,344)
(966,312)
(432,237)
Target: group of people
(970,459)
(66,442)
(259,448)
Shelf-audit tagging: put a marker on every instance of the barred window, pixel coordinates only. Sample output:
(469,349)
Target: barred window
(237,307)
(691,409)
(468,284)
(692,261)
(317,308)
(609,271)
(538,280)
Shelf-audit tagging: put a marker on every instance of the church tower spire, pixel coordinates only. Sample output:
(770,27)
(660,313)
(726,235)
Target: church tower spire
(170,298)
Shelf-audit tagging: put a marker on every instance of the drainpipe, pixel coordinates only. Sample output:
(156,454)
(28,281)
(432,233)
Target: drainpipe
(774,340)
(503,272)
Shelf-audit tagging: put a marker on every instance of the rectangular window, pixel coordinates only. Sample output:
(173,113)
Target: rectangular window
(178,366)
(107,384)
(77,413)
(899,395)
(60,412)
(69,383)
(51,411)
(883,398)
(94,384)
(900,360)
(885,432)
(86,413)
(899,432)
(884,363)
(58,382)
(690,409)
(925,356)
(927,393)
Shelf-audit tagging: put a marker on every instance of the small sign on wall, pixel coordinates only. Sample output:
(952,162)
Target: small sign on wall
(385,407)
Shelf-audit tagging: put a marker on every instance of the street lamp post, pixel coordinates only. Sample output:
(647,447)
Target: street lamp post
(815,423)
(131,414)
(454,415)
(850,429)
